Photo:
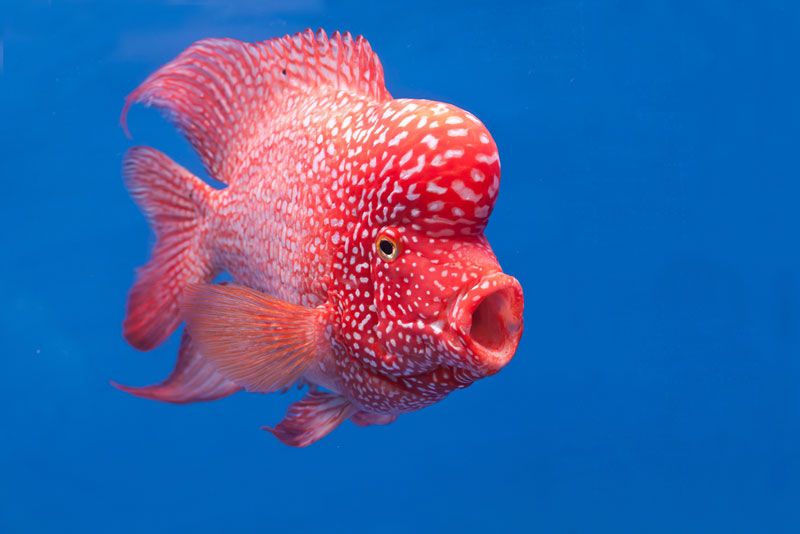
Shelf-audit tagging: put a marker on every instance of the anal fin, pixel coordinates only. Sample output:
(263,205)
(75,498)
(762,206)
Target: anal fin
(194,379)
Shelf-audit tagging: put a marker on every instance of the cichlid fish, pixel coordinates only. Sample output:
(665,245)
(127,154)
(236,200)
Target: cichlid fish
(351,225)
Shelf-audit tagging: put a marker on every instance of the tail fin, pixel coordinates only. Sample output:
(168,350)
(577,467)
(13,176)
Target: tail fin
(175,202)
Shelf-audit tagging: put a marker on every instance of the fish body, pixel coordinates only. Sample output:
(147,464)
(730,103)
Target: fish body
(351,224)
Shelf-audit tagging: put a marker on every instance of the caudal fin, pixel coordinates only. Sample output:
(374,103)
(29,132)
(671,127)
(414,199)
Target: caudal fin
(176,203)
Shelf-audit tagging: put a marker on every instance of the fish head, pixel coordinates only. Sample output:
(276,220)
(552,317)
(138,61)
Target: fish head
(440,295)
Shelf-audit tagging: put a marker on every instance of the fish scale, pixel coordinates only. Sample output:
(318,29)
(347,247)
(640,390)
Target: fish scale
(351,225)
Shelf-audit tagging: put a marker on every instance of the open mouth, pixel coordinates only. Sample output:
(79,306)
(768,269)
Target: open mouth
(489,318)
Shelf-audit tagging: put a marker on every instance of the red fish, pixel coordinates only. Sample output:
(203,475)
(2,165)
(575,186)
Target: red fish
(351,224)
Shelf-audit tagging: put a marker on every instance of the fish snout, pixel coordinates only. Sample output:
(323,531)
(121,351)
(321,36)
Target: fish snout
(488,319)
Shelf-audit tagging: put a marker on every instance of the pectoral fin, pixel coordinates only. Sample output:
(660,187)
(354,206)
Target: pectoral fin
(257,341)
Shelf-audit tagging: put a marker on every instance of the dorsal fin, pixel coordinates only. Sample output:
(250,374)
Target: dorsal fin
(218,90)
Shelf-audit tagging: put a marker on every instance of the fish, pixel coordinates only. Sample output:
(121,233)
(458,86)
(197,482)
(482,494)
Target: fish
(350,225)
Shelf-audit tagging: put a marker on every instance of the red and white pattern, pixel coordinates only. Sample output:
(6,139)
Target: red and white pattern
(320,164)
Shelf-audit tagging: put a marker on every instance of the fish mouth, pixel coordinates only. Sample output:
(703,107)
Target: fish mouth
(488,319)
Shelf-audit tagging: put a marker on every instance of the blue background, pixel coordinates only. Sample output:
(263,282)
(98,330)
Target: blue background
(649,207)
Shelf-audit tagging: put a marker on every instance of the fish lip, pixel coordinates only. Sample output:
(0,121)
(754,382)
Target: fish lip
(488,320)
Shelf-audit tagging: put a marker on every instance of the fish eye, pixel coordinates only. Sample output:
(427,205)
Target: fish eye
(387,248)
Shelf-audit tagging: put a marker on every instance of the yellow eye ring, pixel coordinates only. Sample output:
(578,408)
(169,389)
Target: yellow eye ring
(387,248)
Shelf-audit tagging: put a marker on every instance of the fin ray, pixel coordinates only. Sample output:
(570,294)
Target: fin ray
(194,379)
(217,89)
(257,341)
(312,418)
(175,203)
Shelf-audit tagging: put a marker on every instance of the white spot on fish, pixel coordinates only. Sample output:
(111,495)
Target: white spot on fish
(431,187)
(431,141)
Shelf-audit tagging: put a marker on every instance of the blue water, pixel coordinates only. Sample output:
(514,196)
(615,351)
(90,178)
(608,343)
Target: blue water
(649,206)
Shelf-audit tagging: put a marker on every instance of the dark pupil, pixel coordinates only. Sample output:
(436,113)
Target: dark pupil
(386,247)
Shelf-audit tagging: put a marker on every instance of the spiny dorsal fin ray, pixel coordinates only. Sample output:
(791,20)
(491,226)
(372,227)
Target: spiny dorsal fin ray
(218,91)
